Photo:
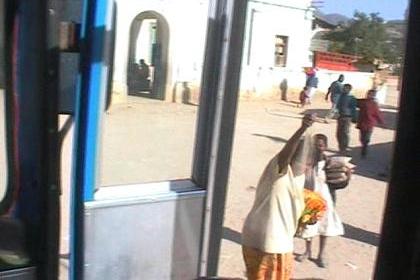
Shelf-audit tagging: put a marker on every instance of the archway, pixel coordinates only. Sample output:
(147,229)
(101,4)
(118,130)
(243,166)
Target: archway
(147,65)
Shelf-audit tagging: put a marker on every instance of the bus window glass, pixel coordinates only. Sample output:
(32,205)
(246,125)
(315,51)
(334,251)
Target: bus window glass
(149,130)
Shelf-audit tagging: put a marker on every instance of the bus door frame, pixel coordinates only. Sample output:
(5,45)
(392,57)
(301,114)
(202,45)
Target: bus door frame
(399,250)
(31,66)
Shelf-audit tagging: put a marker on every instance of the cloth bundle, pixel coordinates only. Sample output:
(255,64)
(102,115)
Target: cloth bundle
(337,172)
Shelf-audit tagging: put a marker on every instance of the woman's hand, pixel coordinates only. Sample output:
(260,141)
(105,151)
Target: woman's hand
(308,120)
(338,174)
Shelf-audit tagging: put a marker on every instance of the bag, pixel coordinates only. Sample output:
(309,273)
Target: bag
(335,171)
(338,186)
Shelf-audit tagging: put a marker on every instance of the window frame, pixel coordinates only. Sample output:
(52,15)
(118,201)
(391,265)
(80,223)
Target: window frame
(285,46)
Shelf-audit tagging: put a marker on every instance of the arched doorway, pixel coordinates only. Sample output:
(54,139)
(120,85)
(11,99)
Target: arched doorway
(147,65)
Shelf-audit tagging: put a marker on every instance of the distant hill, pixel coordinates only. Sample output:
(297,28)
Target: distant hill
(337,18)
(396,28)
(333,19)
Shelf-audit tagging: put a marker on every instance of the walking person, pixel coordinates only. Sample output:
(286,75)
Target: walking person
(268,231)
(334,92)
(316,180)
(304,97)
(369,116)
(311,84)
(346,107)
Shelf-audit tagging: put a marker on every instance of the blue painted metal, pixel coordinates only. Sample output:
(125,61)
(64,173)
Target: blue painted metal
(95,91)
(90,102)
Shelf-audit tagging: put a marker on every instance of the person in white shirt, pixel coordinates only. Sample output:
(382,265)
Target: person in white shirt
(268,231)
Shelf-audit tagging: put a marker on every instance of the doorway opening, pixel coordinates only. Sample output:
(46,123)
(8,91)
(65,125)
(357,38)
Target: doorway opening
(147,65)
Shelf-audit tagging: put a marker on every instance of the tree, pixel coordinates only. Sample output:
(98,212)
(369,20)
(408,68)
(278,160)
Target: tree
(364,36)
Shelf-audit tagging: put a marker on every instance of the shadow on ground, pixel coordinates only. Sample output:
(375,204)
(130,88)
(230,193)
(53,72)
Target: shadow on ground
(231,235)
(377,164)
(320,113)
(390,119)
(361,235)
(274,138)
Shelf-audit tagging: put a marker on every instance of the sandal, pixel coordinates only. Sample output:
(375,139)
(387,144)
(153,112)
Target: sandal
(321,263)
(302,257)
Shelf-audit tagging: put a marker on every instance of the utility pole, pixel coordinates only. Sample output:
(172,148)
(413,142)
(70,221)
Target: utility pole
(317,4)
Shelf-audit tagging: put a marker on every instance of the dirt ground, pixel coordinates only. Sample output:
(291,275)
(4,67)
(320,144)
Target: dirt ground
(144,137)
(262,129)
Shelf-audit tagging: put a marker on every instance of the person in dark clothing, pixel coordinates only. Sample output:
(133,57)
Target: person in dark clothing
(369,116)
(304,97)
(283,89)
(346,107)
(144,70)
(334,92)
(143,76)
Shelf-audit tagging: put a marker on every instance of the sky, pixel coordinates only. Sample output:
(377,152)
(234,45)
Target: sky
(388,9)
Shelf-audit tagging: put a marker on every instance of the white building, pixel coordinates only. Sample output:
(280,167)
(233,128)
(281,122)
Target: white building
(171,33)
(170,36)
(277,46)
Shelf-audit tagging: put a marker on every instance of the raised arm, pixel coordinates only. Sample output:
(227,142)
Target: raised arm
(284,157)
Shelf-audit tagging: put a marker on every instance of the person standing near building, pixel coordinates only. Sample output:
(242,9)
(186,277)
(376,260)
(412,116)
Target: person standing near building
(269,229)
(334,92)
(311,84)
(144,70)
(144,74)
(369,116)
(346,107)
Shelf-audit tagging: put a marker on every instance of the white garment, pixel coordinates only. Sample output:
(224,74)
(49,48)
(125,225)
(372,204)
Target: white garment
(273,219)
(330,224)
(311,91)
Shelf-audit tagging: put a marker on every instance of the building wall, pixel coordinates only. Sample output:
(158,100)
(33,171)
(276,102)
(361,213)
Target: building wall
(266,19)
(187,21)
(361,81)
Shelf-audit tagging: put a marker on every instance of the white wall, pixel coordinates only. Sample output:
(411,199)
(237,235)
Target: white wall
(265,20)
(361,81)
(187,21)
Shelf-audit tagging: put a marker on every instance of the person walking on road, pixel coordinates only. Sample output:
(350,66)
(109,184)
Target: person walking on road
(346,107)
(369,116)
(334,92)
(311,84)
